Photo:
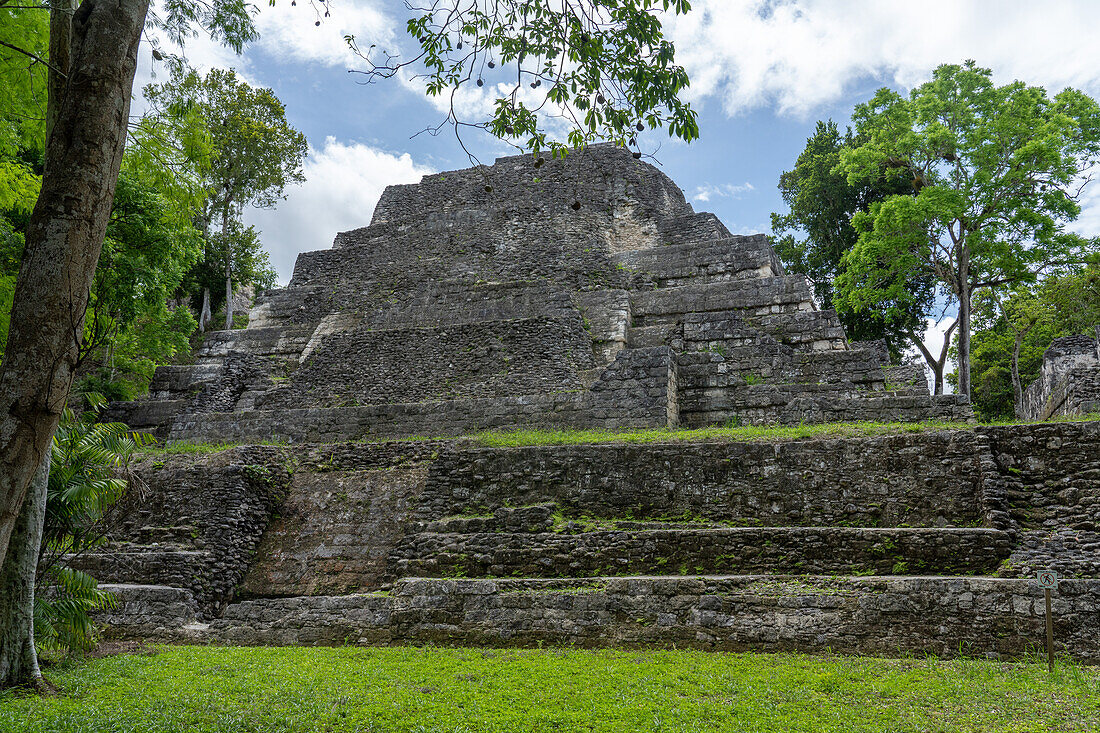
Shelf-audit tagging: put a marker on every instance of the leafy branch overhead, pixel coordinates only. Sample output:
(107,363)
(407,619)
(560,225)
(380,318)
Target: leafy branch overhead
(601,68)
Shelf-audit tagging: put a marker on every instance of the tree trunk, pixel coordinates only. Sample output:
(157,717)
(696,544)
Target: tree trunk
(18,660)
(204,315)
(228,270)
(936,365)
(937,378)
(61,49)
(63,242)
(1017,387)
(964,322)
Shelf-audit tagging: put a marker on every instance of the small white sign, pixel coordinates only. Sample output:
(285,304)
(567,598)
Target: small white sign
(1048,579)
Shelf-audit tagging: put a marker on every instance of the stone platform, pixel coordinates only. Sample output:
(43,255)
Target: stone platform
(583,292)
(922,541)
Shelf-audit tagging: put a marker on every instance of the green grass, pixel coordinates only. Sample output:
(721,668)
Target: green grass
(512,438)
(205,689)
(750,433)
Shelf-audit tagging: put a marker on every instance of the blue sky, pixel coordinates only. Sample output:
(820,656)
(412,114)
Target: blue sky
(763,71)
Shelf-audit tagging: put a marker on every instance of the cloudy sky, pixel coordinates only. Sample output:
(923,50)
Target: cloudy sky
(762,73)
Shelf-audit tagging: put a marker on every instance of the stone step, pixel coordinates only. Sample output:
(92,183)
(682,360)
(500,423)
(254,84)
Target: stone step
(181,381)
(949,616)
(151,564)
(820,550)
(149,612)
(153,416)
(792,404)
(756,297)
(733,258)
(694,227)
(775,365)
(265,341)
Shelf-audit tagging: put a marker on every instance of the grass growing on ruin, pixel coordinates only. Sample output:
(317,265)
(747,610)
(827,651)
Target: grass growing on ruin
(759,433)
(512,438)
(206,689)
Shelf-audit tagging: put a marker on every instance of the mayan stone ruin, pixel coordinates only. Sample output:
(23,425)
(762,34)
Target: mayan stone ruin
(582,293)
(1068,382)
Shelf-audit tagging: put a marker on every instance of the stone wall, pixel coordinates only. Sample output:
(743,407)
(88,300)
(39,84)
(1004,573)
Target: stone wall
(1050,476)
(580,550)
(193,524)
(887,616)
(318,544)
(475,360)
(1068,381)
(928,481)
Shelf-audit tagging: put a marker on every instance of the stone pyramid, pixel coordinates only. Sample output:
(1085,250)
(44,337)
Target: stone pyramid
(583,292)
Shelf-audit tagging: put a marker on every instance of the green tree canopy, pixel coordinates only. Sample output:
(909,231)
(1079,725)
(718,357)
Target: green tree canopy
(998,174)
(1013,328)
(252,155)
(146,256)
(816,232)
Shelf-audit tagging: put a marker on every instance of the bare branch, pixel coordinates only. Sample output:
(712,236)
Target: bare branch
(34,56)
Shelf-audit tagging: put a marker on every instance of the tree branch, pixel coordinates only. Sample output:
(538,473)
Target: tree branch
(36,57)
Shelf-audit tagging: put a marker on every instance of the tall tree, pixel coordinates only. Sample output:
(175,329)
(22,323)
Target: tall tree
(84,151)
(96,48)
(63,241)
(814,234)
(998,173)
(254,154)
(239,245)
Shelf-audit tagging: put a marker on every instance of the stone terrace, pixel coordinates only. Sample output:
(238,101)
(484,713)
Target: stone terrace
(584,292)
(919,541)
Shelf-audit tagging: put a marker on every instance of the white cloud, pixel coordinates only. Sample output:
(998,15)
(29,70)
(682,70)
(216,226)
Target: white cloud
(286,30)
(797,56)
(291,30)
(343,183)
(709,191)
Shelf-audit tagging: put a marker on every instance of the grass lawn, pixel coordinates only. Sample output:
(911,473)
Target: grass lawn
(429,689)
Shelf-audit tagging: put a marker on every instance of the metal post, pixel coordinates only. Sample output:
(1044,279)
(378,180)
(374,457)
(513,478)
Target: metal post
(1050,636)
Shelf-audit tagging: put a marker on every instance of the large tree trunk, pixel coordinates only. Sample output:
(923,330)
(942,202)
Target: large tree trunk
(61,50)
(63,242)
(18,660)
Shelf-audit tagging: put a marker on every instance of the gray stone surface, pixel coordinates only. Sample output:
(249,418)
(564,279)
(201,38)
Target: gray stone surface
(947,616)
(520,296)
(552,530)
(1068,381)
